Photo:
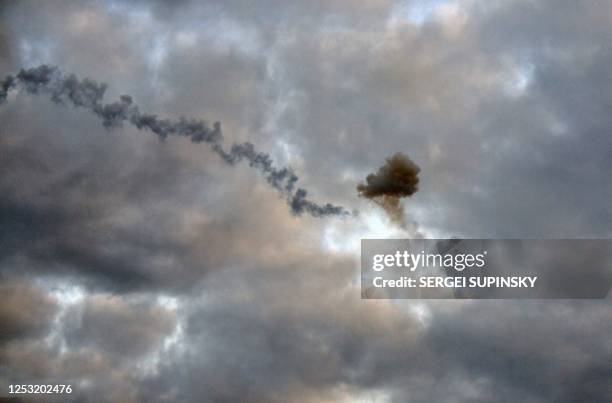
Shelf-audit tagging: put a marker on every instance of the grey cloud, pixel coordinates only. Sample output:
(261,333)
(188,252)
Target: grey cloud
(88,94)
(273,341)
(117,327)
(444,99)
(264,319)
(98,343)
(68,211)
(522,353)
(267,341)
(104,380)
(26,311)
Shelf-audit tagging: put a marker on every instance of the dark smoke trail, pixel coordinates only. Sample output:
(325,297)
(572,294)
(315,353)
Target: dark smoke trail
(396,179)
(67,89)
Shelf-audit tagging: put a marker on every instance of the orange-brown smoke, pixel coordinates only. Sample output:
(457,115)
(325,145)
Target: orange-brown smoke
(396,179)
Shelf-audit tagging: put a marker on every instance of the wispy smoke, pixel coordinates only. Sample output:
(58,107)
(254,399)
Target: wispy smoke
(68,89)
(397,179)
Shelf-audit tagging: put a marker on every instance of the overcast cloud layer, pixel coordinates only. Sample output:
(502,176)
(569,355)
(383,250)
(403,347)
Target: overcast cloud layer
(147,270)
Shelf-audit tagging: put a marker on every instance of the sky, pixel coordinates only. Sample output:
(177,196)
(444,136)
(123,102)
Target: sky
(141,269)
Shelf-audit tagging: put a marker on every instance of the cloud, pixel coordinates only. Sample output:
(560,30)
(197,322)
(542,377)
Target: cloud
(112,325)
(88,94)
(485,343)
(269,339)
(198,283)
(26,311)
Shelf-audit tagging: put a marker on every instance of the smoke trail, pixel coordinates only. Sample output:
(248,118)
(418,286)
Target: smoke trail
(68,89)
(396,179)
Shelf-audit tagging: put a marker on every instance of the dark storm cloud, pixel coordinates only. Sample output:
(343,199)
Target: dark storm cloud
(89,94)
(49,230)
(505,107)
(103,209)
(26,311)
(5,46)
(66,211)
(279,14)
(117,327)
(97,340)
(268,341)
(36,360)
(487,342)
(505,137)
(262,349)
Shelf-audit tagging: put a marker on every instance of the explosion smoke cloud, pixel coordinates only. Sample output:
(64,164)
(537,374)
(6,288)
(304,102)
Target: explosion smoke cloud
(68,89)
(396,179)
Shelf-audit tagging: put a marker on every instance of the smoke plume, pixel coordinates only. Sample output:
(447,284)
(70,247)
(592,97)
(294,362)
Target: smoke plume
(67,89)
(396,179)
